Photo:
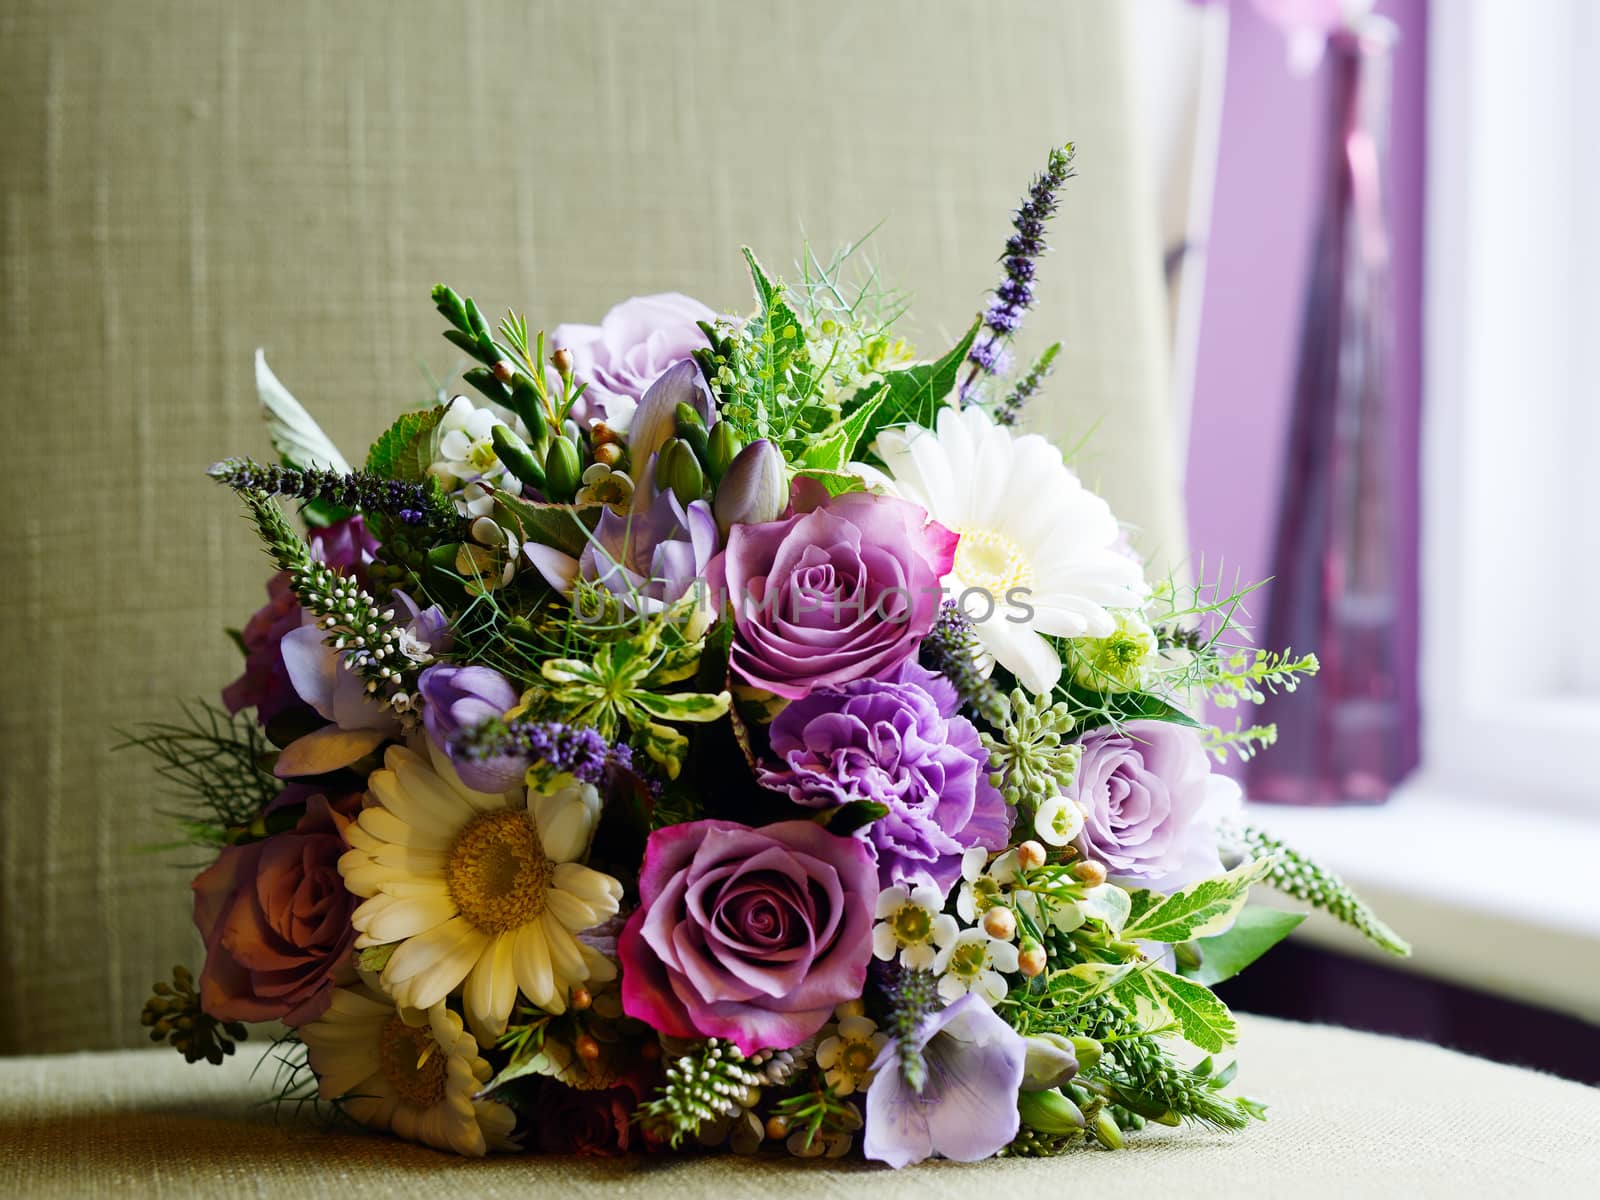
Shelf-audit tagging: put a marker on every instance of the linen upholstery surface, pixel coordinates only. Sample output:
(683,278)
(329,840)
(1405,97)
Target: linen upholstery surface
(184,181)
(1351,1115)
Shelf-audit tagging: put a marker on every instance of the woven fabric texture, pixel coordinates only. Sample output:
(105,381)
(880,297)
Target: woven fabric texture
(185,181)
(1351,1115)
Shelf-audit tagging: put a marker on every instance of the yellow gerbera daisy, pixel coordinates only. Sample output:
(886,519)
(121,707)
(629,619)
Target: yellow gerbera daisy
(477,889)
(415,1074)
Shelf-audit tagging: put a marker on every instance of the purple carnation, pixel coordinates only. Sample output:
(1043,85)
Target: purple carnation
(1151,804)
(896,742)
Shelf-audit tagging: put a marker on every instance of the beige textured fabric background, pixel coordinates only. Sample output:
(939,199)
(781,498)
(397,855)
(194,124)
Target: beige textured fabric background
(184,181)
(1351,1115)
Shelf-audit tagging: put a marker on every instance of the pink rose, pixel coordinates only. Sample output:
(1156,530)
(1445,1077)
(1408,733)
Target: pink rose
(753,935)
(839,593)
(275,917)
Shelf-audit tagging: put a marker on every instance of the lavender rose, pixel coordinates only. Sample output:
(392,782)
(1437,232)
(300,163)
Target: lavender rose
(752,935)
(633,346)
(275,917)
(897,742)
(1151,804)
(839,593)
(456,700)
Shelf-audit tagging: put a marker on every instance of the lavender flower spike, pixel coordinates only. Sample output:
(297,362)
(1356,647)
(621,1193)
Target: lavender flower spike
(966,1109)
(1014,297)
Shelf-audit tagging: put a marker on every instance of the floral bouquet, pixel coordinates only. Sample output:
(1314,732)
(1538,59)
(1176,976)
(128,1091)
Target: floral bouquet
(727,731)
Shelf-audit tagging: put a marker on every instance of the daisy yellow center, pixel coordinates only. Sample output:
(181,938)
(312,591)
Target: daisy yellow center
(497,871)
(911,924)
(856,1057)
(412,1063)
(969,960)
(989,560)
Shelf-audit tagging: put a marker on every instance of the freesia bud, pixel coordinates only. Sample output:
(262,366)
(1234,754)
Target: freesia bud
(561,471)
(722,447)
(656,418)
(1052,1060)
(1049,1112)
(678,469)
(514,453)
(754,490)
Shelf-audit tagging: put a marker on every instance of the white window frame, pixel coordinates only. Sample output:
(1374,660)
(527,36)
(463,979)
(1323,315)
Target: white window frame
(1511,418)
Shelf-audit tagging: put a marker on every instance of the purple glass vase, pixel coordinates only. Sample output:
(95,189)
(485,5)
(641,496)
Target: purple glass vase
(1337,555)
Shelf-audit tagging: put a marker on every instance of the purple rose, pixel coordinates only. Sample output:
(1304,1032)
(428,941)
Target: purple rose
(456,700)
(897,742)
(634,344)
(1151,804)
(839,593)
(752,935)
(265,684)
(966,1109)
(275,916)
(648,558)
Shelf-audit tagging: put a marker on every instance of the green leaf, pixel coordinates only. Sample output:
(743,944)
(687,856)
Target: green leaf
(566,527)
(912,394)
(1162,997)
(404,450)
(835,449)
(1092,708)
(837,482)
(295,434)
(1256,930)
(685,706)
(848,818)
(1198,911)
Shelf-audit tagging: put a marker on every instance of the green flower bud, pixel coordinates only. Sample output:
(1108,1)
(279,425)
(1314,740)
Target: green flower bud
(1049,1112)
(562,471)
(1106,1131)
(526,404)
(518,459)
(692,430)
(722,448)
(677,468)
(1088,1051)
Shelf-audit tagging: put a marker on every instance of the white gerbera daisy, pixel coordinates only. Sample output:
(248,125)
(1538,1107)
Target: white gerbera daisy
(476,888)
(971,962)
(1038,552)
(847,1052)
(909,922)
(415,1074)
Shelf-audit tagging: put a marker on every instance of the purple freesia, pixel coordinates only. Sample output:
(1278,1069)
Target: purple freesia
(632,347)
(896,742)
(753,935)
(967,1107)
(648,558)
(357,724)
(455,701)
(1151,804)
(265,684)
(841,592)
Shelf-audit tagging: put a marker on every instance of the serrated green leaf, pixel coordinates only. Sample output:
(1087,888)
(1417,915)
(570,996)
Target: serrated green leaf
(1198,911)
(1091,708)
(912,394)
(834,450)
(666,747)
(1161,997)
(404,450)
(1256,930)
(565,527)
(295,434)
